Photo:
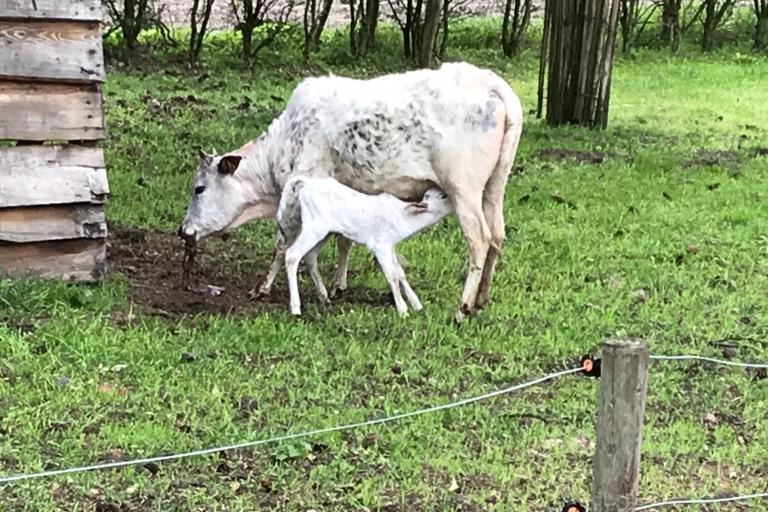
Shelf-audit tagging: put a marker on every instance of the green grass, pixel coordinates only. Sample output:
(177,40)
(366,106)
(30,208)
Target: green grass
(77,387)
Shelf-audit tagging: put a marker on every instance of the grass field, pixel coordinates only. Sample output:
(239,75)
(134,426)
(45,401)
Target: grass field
(663,238)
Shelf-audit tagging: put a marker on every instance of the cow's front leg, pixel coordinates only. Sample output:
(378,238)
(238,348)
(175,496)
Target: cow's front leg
(342,265)
(278,257)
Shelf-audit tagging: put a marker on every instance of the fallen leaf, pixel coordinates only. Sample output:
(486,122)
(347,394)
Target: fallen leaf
(640,295)
(106,387)
(551,443)
(454,486)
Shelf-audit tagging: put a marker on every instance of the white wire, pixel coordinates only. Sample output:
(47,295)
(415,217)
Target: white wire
(286,437)
(701,501)
(710,360)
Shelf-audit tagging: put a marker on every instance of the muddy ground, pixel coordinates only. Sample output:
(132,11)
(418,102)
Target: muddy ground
(150,262)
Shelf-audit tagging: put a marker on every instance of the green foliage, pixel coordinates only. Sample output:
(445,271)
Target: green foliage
(664,239)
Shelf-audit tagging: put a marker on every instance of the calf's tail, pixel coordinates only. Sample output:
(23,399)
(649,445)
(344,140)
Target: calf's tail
(289,210)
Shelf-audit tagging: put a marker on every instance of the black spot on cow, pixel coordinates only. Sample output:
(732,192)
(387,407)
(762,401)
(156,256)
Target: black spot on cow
(481,118)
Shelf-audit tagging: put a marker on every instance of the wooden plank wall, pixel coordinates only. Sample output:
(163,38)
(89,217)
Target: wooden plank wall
(53,181)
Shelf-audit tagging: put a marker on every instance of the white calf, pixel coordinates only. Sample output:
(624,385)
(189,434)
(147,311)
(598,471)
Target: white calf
(313,208)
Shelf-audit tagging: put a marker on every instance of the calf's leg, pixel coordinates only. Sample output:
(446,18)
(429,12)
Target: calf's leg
(388,262)
(305,242)
(410,295)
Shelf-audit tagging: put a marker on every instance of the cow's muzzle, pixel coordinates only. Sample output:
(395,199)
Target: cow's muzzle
(184,234)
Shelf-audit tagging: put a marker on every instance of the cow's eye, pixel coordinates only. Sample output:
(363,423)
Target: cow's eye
(199,190)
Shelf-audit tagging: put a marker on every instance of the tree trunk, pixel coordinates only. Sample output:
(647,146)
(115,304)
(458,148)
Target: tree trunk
(708,28)
(714,15)
(581,41)
(429,32)
(514,24)
(369,17)
(761,26)
(352,27)
(670,23)
(543,58)
(198,30)
(444,29)
(628,21)
(321,21)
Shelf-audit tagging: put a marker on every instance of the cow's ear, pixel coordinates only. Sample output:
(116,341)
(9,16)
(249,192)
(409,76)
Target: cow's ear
(229,163)
(416,207)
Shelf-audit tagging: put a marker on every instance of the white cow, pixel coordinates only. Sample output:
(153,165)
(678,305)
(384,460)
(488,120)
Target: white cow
(313,208)
(456,128)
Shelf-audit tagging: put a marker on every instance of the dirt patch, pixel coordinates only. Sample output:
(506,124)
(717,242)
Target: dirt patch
(151,262)
(581,157)
(728,159)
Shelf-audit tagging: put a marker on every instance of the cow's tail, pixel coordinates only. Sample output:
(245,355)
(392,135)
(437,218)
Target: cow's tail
(513,128)
(289,209)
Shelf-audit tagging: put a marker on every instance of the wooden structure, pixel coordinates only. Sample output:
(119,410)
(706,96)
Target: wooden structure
(53,182)
(620,417)
(577,61)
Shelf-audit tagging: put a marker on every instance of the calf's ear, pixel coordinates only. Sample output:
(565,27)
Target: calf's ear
(416,207)
(228,164)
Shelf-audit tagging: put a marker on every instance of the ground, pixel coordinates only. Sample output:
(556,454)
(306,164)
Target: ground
(654,227)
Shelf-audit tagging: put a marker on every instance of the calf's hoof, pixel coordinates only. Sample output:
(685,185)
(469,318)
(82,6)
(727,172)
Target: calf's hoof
(337,291)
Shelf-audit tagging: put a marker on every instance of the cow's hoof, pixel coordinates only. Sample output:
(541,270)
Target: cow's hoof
(337,292)
(462,314)
(258,293)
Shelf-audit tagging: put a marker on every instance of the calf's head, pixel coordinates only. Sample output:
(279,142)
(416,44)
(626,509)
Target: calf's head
(220,199)
(435,201)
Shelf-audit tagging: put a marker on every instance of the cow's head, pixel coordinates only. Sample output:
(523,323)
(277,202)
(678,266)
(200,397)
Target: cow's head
(222,198)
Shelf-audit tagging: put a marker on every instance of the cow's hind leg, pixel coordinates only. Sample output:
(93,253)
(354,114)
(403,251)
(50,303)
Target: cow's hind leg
(469,212)
(278,258)
(493,209)
(342,266)
(314,272)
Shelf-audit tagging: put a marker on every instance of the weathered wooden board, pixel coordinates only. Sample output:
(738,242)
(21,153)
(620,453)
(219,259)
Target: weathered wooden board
(50,111)
(51,50)
(66,155)
(44,223)
(52,9)
(51,175)
(69,260)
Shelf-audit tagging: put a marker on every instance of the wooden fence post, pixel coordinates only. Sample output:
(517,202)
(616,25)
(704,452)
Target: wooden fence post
(620,415)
